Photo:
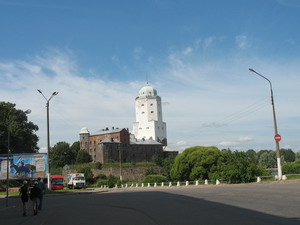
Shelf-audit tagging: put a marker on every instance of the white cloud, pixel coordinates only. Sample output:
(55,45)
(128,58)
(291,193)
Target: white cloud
(187,51)
(228,143)
(208,41)
(245,139)
(180,143)
(208,101)
(242,41)
(291,3)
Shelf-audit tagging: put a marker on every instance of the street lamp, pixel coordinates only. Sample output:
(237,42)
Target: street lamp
(275,125)
(8,152)
(48,132)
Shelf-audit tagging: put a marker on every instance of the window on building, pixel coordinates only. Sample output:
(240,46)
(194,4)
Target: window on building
(143,112)
(140,128)
(152,111)
(151,104)
(147,127)
(142,104)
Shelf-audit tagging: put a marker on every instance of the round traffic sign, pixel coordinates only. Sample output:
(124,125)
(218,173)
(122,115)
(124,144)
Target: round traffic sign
(277,137)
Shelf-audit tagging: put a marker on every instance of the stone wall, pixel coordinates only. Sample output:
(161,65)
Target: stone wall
(136,173)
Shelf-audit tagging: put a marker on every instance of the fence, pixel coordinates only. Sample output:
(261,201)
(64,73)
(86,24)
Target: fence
(194,183)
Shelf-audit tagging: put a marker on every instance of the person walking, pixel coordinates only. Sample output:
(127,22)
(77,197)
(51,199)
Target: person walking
(42,188)
(24,197)
(34,194)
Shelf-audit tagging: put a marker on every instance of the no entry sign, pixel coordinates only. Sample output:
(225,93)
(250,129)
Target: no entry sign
(277,137)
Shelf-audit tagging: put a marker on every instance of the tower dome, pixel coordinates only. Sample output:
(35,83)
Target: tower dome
(147,90)
(84,130)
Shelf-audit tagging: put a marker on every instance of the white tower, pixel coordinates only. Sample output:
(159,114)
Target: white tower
(149,124)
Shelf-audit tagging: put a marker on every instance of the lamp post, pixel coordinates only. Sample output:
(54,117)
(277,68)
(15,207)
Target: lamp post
(120,162)
(8,152)
(275,125)
(48,132)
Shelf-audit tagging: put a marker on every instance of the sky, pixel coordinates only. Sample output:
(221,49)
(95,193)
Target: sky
(195,53)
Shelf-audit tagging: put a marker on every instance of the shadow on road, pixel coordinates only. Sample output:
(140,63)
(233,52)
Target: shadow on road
(136,208)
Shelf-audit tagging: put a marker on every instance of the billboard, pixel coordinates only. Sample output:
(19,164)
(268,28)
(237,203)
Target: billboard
(24,166)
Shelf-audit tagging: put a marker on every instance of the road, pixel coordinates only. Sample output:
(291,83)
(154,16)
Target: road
(268,203)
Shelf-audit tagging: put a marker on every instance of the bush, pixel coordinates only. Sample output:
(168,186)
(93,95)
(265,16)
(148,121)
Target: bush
(101,182)
(155,179)
(112,181)
(291,167)
(89,177)
(150,171)
(98,165)
(56,171)
(101,176)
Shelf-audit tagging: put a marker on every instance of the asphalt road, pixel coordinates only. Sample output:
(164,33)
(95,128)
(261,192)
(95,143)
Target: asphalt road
(269,203)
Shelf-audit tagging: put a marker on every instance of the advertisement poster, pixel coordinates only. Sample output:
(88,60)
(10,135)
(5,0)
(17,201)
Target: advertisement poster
(23,166)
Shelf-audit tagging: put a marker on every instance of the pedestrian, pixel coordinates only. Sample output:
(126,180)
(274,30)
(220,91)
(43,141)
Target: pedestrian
(42,188)
(34,194)
(24,197)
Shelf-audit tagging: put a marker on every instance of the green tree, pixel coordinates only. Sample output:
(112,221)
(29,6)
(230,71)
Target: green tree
(240,168)
(157,159)
(167,165)
(291,167)
(252,155)
(83,157)
(75,147)
(268,159)
(21,132)
(154,178)
(297,155)
(89,176)
(288,155)
(195,163)
(61,154)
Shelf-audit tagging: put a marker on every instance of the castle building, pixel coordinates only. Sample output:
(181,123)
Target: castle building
(149,136)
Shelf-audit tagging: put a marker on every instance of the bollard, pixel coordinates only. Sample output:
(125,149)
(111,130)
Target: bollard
(178,183)
(284,177)
(142,184)
(126,186)
(186,183)
(170,184)
(137,185)
(217,182)
(116,186)
(162,184)
(197,182)
(148,184)
(122,185)
(206,181)
(155,184)
(258,179)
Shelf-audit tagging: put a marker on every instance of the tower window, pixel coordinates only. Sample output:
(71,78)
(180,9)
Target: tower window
(142,104)
(151,104)
(147,127)
(143,112)
(152,112)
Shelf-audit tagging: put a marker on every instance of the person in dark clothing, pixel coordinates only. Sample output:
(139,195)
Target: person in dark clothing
(42,188)
(24,197)
(34,194)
